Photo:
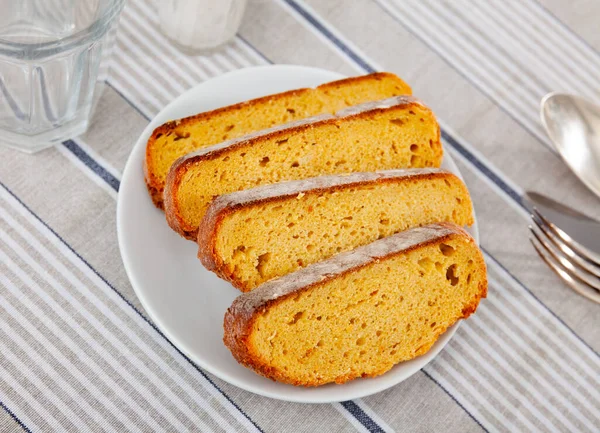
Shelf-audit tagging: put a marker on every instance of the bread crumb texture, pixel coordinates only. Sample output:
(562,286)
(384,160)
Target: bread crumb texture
(265,239)
(363,322)
(177,138)
(403,134)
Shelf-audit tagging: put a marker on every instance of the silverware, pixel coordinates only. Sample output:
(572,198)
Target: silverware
(579,227)
(575,264)
(573,125)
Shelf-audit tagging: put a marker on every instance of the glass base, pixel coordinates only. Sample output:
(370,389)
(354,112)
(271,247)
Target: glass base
(34,143)
(198,51)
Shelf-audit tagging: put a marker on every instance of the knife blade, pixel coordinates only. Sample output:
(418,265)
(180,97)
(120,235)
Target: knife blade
(582,228)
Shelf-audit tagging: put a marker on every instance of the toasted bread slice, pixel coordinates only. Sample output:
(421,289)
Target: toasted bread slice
(399,132)
(177,138)
(361,312)
(251,236)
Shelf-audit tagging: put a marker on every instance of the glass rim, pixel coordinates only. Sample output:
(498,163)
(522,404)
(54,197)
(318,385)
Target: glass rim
(94,29)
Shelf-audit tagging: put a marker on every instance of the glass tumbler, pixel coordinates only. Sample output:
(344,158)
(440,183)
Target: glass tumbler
(53,64)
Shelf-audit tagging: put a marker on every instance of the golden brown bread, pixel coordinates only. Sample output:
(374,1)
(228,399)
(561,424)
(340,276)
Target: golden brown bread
(251,236)
(360,312)
(399,132)
(176,138)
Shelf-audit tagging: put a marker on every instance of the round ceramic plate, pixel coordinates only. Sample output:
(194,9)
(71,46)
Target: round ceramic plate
(186,301)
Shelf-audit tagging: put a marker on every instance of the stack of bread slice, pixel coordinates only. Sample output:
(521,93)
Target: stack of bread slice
(328,207)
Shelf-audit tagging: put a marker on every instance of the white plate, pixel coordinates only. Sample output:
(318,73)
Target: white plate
(186,301)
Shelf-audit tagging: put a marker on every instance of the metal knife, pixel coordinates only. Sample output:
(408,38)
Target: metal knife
(581,228)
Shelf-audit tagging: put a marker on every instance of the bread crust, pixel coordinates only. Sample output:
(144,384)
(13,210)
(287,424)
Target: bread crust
(238,322)
(220,208)
(181,165)
(155,186)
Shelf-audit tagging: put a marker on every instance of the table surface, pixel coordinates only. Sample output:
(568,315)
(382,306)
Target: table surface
(77,352)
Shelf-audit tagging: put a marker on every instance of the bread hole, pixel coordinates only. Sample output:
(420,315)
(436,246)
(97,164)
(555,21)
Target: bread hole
(264,161)
(158,135)
(414,147)
(224,137)
(374,292)
(362,352)
(451,275)
(414,160)
(225,159)
(320,343)
(319,318)
(458,200)
(407,327)
(470,262)
(393,352)
(341,162)
(261,264)
(454,214)
(438,266)
(432,325)
(278,208)
(447,250)
(349,218)
(345,355)
(431,143)
(412,112)
(352,320)
(285,352)
(295,164)
(280,142)
(384,221)
(240,249)
(290,225)
(422,120)
(353,233)
(300,263)
(398,122)
(290,110)
(243,154)
(180,135)
(378,333)
(338,250)
(431,303)
(360,341)
(469,278)
(426,263)
(310,233)
(310,247)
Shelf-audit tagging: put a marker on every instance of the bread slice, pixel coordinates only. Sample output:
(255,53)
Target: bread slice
(360,312)
(176,138)
(251,236)
(398,132)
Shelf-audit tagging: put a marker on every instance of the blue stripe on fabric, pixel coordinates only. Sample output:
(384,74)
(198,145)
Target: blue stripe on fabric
(130,304)
(455,399)
(362,417)
(15,417)
(476,85)
(484,169)
(127,100)
(92,164)
(253,48)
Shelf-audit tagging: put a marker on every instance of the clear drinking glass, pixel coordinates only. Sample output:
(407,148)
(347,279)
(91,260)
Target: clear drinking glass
(53,64)
(200,25)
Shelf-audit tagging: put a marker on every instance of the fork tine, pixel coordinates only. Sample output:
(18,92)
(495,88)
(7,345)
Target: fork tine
(580,274)
(565,249)
(583,289)
(583,252)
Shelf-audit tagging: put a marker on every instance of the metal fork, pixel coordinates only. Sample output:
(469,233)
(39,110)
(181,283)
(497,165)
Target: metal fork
(578,267)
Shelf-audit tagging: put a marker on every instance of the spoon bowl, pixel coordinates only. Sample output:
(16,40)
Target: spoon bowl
(573,125)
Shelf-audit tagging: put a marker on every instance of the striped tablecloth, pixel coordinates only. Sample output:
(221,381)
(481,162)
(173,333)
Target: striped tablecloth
(77,352)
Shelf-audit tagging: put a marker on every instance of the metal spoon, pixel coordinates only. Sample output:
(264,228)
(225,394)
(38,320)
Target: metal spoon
(573,125)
